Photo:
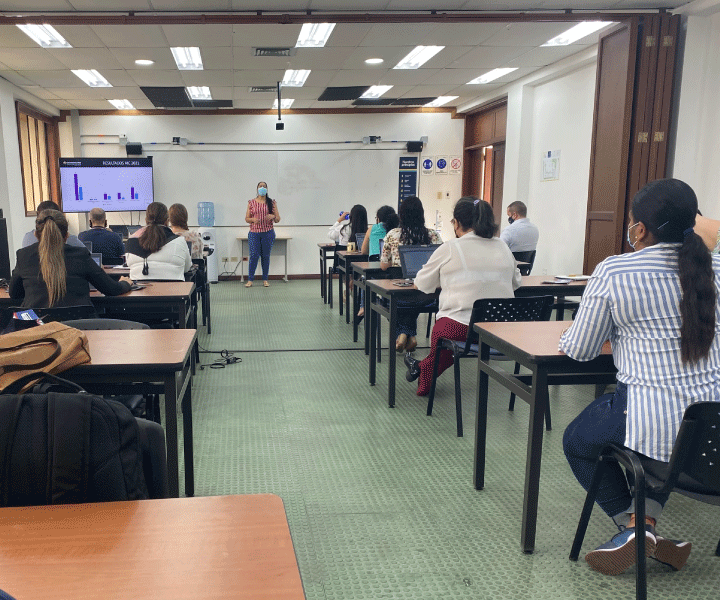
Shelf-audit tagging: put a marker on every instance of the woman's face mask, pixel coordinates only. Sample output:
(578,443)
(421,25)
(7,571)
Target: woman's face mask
(628,235)
(262,191)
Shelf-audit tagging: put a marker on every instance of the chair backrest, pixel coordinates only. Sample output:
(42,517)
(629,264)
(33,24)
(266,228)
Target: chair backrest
(382,243)
(105,324)
(88,245)
(526,257)
(412,258)
(64,313)
(500,310)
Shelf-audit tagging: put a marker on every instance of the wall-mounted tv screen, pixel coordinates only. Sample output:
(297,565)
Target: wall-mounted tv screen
(113,184)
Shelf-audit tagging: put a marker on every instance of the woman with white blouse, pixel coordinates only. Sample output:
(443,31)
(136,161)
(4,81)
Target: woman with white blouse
(474,265)
(658,306)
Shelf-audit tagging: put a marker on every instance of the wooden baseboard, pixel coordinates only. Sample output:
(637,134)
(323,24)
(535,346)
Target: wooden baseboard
(273,277)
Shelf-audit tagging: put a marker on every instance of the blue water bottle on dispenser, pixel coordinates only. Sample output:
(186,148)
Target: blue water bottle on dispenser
(206,220)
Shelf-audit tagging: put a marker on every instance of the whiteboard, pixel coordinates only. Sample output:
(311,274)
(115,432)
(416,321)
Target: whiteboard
(311,186)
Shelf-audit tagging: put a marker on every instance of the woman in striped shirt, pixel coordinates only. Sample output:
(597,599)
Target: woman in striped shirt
(262,213)
(658,306)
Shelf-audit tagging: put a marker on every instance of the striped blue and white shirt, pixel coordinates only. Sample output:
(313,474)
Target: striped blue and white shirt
(634,301)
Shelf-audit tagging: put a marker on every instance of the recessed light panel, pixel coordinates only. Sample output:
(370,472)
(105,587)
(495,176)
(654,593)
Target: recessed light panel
(418,57)
(376,91)
(122,104)
(199,93)
(45,35)
(295,78)
(187,59)
(144,62)
(492,75)
(92,78)
(285,103)
(374,61)
(577,32)
(314,35)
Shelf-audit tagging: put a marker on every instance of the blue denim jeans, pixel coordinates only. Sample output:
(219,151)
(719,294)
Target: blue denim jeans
(260,246)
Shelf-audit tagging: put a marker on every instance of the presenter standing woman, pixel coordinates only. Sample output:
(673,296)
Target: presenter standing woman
(262,214)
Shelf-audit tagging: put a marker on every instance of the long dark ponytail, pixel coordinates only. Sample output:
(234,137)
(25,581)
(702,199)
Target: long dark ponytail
(268,199)
(475,214)
(358,221)
(667,209)
(412,222)
(51,228)
(156,218)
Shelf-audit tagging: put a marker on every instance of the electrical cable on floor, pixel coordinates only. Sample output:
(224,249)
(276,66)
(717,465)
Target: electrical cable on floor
(204,350)
(227,357)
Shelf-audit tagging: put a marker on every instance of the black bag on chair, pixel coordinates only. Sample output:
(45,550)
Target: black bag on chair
(65,448)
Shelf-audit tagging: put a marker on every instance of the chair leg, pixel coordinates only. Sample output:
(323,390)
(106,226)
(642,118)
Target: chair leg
(548,422)
(512,396)
(329,293)
(458,393)
(379,340)
(640,558)
(717,550)
(587,509)
(436,362)
(429,324)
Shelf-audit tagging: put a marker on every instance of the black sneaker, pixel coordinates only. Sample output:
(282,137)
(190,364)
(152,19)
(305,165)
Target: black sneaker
(673,553)
(618,555)
(413,366)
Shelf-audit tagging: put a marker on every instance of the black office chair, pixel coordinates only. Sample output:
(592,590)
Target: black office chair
(66,313)
(202,289)
(526,257)
(693,470)
(533,308)
(147,405)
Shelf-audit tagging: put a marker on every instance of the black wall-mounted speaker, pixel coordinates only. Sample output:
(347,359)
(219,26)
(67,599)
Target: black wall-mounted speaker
(414,146)
(133,149)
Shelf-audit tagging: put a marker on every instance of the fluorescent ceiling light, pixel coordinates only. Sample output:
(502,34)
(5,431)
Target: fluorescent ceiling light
(45,35)
(187,59)
(418,57)
(492,75)
(92,77)
(285,103)
(576,33)
(440,100)
(144,62)
(295,78)
(122,104)
(199,93)
(376,91)
(314,35)
(374,61)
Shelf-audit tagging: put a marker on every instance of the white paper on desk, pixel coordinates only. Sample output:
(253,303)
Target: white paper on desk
(573,277)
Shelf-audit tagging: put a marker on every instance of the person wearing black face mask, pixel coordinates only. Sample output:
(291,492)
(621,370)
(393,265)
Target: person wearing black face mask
(521,235)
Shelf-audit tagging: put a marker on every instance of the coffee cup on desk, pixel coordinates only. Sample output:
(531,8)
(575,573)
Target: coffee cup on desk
(351,247)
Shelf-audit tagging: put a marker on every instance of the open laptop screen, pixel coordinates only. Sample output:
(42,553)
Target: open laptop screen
(412,258)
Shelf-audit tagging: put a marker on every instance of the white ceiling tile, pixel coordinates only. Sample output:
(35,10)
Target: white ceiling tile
(143,104)
(215,59)
(61,104)
(526,34)
(127,56)
(462,34)
(407,76)
(474,91)
(420,91)
(119,78)
(80,36)
(118,93)
(131,36)
(489,57)
(350,78)
(191,4)
(94,5)
(348,34)
(244,93)
(85,58)
(26,59)
(302,93)
(201,36)
(12,37)
(221,77)
(424,4)
(16,78)
(540,57)
(398,34)
(243,60)
(221,92)
(48,79)
(271,5)
(446,57)
(266,35)
(92,104)
(451,77)
(320,58)
(254,103)
(40,92)
(298,105)
(22,5)
(156,78)
(257,77)
(83,93)
(343,5)
(320,79)
(391,55)
(330,104)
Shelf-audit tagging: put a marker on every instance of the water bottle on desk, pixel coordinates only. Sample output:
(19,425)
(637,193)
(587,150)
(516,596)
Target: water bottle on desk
(206,214)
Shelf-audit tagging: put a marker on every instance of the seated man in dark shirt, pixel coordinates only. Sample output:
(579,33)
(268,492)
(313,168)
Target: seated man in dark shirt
(104,241)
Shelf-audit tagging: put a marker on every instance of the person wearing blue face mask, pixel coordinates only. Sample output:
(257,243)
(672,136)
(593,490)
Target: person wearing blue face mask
(521,235)
(262,214)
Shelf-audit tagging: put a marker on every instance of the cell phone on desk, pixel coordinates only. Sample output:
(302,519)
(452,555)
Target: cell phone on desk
(402,283)
(559,281)
(137,286)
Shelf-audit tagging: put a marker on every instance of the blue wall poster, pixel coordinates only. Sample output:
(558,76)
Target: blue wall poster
(407,185)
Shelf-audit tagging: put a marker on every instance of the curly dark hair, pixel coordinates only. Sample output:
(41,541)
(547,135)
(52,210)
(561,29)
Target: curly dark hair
(412,223)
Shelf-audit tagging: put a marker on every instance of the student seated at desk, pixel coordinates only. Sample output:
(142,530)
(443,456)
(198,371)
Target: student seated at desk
(158,253)
(52,273)
(178,223)
(103,240)
(29,239)
(659,308)
(348,225)
(411,232)
(386,219)
(474,265)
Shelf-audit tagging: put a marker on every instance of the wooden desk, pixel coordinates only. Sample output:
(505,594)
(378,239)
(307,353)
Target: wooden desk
(532,285)
(325,251)
(151,357)
(362,272)
(222,547)
(344,265)
(279,249)
(535,346)
(117,272)
(385,288)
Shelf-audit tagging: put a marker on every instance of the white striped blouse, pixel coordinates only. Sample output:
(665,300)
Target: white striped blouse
(634,301)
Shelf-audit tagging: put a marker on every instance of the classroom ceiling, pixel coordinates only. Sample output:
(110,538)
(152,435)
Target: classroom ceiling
(231,69)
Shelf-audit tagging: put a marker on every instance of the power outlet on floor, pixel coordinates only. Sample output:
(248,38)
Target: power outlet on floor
(224,258)
(233,259)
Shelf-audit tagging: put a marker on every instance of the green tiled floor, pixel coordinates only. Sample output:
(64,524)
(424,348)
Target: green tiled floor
(380,501)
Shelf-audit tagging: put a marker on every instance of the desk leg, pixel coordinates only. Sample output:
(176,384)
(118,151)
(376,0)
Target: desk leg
(322,276)
(481,419)
(367,316)
(188,440)
(534,458)
(348,275)
(286,279)
(341,275)
(374,316)
(560,315)
(172,434)
(391,352)
(355,311)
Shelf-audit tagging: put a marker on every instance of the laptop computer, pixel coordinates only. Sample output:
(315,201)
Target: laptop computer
(131,229)
(412,259)
(97,257)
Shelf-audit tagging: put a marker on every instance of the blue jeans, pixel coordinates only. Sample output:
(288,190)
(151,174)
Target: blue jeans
(602,422)
(261,244)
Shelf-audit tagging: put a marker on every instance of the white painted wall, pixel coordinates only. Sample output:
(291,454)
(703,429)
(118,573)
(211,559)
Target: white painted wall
(444,133)
(696,158)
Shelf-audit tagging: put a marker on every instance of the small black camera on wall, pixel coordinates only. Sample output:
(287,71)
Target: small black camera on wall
(279,126)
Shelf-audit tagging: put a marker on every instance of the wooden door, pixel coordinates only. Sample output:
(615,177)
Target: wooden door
(498,175)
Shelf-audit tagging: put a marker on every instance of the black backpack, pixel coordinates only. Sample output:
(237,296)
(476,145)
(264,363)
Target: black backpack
(66,448)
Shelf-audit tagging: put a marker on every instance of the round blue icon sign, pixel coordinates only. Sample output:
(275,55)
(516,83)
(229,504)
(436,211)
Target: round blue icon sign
(441,163)
(427,164)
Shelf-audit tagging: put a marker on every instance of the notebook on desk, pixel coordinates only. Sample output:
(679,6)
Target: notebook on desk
(412,259)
